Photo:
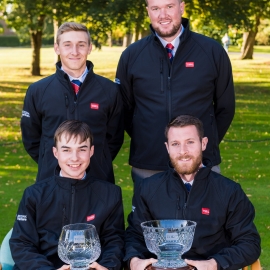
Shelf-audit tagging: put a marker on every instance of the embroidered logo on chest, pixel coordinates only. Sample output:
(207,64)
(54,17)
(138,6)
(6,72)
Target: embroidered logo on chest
(206,211)
(92,217)
(190,64)
(94,106)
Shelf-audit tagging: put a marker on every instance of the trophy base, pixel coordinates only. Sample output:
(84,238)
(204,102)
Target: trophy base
(188,267)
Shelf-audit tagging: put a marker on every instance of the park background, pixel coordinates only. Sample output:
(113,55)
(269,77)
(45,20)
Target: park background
(26,55)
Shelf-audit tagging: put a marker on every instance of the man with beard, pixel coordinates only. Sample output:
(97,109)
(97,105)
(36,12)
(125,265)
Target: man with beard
(173,71)
(225,235)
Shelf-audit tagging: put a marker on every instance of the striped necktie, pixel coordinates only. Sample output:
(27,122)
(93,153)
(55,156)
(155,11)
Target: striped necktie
(76,84)
(169,48)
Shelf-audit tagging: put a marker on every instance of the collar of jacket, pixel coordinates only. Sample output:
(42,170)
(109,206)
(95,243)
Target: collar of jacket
(201,174)
(183,37)
(68,183)
(63,76)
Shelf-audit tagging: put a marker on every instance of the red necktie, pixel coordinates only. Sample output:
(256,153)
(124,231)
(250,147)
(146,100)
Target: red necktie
(76,84)
(169,48)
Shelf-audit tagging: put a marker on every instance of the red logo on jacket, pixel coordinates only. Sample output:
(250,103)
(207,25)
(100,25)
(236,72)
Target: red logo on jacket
(92,217)
(189,64)
(206,211)
(94,106)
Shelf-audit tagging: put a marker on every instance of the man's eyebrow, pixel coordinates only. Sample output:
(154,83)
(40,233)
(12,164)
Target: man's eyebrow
(83,146)
(69,41)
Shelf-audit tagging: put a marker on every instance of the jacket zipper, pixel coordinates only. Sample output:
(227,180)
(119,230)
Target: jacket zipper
(169,100)
(161,76)
(64,216)
(67,104)
(72,203)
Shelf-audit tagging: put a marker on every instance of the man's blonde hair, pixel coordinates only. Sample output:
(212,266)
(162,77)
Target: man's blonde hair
(72,26)
(146,1)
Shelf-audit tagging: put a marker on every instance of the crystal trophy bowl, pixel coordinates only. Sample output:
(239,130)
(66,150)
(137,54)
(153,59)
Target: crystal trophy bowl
(168,239)
(79,245)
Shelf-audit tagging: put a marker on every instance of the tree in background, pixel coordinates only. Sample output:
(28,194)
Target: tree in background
(214,18)
(30,14)
(256,12)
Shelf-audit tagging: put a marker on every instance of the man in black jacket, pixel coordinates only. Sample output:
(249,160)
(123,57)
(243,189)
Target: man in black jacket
(225,235)
(159,83)
(73,92)
(71,196)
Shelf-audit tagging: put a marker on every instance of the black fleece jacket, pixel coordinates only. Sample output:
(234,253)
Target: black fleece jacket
(50,204)
(199,82)
(52,100)
(225,230)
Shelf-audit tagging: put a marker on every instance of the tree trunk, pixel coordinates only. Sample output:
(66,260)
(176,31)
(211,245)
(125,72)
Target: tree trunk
(249,41)
(248,44)
(127,39)
(110,39)
(56,24)
(36,42)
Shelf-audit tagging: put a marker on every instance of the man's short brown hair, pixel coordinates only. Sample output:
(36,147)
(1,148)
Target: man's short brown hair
(73,128)
(183,121)
(72,26)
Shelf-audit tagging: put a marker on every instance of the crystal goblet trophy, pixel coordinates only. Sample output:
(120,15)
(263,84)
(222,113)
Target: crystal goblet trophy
(169,239)
(79,245)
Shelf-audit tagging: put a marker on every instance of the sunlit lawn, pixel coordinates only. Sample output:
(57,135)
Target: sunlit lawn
(245,149)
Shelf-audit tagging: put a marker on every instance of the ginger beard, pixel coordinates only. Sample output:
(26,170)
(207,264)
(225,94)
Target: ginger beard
(185,169)
(169,33)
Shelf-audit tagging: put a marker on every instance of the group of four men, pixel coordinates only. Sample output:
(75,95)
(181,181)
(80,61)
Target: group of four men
(157,86)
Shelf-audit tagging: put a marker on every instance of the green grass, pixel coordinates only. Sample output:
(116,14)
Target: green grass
(257,49)
(245,150)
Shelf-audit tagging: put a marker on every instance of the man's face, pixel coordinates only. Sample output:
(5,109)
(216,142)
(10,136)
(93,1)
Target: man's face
(185,150)
(166,17)
(73,156)
(73,49)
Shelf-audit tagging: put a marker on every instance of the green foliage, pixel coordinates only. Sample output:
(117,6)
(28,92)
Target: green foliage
(263,36)
(245,148)
(9,41)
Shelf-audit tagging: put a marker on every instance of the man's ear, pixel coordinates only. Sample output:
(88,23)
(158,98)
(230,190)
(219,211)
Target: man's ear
(167,147)
(56,48)
(204,143)
(92,151)
(55,152)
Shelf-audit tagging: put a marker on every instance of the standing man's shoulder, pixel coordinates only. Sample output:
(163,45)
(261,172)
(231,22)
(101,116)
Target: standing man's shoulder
(38,87)
(203,40)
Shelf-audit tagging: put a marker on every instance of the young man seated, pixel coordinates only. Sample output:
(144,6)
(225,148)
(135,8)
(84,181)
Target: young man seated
(225,235)
(70,196)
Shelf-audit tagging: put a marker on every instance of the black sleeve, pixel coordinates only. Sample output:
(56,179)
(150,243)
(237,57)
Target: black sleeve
(242,232)
(31,124)
(134,240)
(112,236)
(224,98)
(115,125)
(125,85)
(24,241)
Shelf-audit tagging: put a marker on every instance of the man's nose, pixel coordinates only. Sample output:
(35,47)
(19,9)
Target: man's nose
(183,149)
(74,156)
(75,50)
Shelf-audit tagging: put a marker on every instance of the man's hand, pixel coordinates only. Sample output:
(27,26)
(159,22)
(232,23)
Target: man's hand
(97,266)
(139,264)
(64,267)
(203,265)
